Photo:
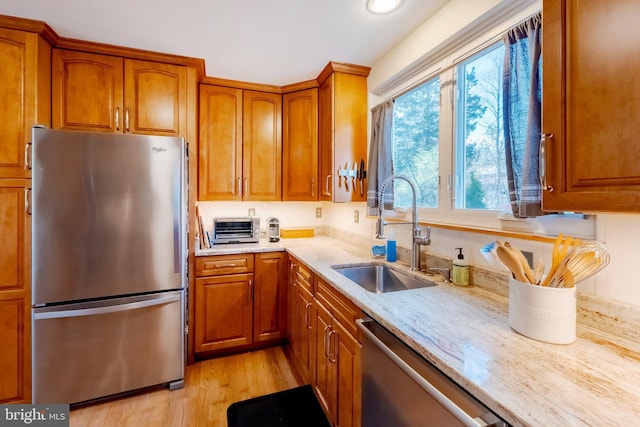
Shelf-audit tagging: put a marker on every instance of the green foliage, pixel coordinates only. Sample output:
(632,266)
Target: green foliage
(474,106)
(474,193)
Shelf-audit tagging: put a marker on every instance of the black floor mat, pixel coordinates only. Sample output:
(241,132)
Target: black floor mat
(296,407)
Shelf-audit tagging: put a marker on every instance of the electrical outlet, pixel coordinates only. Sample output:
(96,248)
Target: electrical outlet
(529,257)
(356,216)
(318,212)
(252,212)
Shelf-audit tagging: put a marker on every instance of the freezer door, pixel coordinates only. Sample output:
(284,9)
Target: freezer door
(92,350)
(108,215)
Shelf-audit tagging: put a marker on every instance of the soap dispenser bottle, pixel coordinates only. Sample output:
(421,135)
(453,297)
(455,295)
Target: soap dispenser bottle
(391,247)
(460,270)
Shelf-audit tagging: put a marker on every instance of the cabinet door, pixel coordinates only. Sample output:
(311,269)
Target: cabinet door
(262,146)
(305,312)
(224,311)
(591,100)
(87,91)
(342,109)
(269,299)
(155,98)
(220,145)
(350,133)
(347,378)
(328,176)
(24,96)
(15,293)
(300,145)
(292,308)
(324,383)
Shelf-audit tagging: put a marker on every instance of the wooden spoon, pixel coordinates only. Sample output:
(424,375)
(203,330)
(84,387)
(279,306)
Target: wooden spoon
(525,264)
(509,259)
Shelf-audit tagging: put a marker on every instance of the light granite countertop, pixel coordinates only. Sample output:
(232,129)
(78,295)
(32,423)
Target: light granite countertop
(465,333)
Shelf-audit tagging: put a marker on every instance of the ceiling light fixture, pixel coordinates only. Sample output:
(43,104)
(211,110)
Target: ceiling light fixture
(383,6)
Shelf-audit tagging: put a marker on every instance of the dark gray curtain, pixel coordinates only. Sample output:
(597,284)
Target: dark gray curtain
(522,84)
(380,156)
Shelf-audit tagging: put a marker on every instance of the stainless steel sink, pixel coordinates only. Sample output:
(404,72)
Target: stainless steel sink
(380,278)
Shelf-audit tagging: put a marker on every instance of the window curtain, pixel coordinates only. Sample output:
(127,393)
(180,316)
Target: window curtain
(380,156)
(522,83)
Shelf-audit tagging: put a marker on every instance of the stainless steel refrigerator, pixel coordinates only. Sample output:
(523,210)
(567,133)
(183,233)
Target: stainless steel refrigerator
(109,264)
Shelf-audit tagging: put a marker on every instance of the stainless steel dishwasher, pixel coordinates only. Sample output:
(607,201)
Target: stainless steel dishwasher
(402,389)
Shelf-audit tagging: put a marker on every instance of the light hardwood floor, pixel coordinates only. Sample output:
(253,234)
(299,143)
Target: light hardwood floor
(210,387)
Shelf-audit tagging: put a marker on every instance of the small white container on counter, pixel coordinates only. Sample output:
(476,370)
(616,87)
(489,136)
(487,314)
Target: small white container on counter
(542,313)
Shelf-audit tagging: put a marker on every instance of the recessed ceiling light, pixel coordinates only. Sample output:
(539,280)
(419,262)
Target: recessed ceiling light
(383,6)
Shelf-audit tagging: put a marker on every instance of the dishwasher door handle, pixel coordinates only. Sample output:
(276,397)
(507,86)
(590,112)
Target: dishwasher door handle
(424,384)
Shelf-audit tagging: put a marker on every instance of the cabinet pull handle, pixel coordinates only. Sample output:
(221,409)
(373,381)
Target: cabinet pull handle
(326,337)
(307,324)
(326,184)
(250,282)
(332,354)
(313,186)
(542,161)
(27,156)
(246,186)
(27,200)
(291,279)
(239,187)
(118,119)
(126,120)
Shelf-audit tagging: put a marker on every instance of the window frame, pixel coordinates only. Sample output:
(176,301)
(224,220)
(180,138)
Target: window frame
(446,214)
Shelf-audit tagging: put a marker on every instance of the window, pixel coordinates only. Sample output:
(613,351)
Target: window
(448,136)
(480,169)
(481,176)
(416,133)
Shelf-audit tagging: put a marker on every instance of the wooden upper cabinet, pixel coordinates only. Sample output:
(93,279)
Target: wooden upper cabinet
(25,76)
(220,144)
(261,146)
(87,91)
(110,94)
(240,154)
(300,145)
(155,98)
(342,133)
(591,99)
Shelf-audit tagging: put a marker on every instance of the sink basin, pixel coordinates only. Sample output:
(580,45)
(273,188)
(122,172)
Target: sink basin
(381,278)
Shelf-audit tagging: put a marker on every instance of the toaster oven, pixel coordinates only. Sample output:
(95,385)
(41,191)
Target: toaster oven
(236,230)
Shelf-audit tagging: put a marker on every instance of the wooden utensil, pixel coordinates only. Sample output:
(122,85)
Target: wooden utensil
(525,264)
(511,261)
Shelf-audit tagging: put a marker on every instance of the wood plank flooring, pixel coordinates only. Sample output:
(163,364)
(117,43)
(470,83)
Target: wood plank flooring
(210,387)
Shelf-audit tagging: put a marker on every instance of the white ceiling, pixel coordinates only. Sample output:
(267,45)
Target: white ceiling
(274,42)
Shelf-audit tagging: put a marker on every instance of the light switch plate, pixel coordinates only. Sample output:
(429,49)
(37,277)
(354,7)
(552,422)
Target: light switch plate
(252,212)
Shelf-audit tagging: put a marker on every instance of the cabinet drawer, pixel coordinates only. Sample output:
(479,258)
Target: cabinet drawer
(304,277)
(339,306)
(224,264)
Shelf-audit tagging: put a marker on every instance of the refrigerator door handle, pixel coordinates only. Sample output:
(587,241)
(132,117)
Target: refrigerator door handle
(104,310)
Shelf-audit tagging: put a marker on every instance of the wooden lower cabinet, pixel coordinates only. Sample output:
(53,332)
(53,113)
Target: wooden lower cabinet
(240,300)
(224,312)
(269,296)
(324,345)
(338,373)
